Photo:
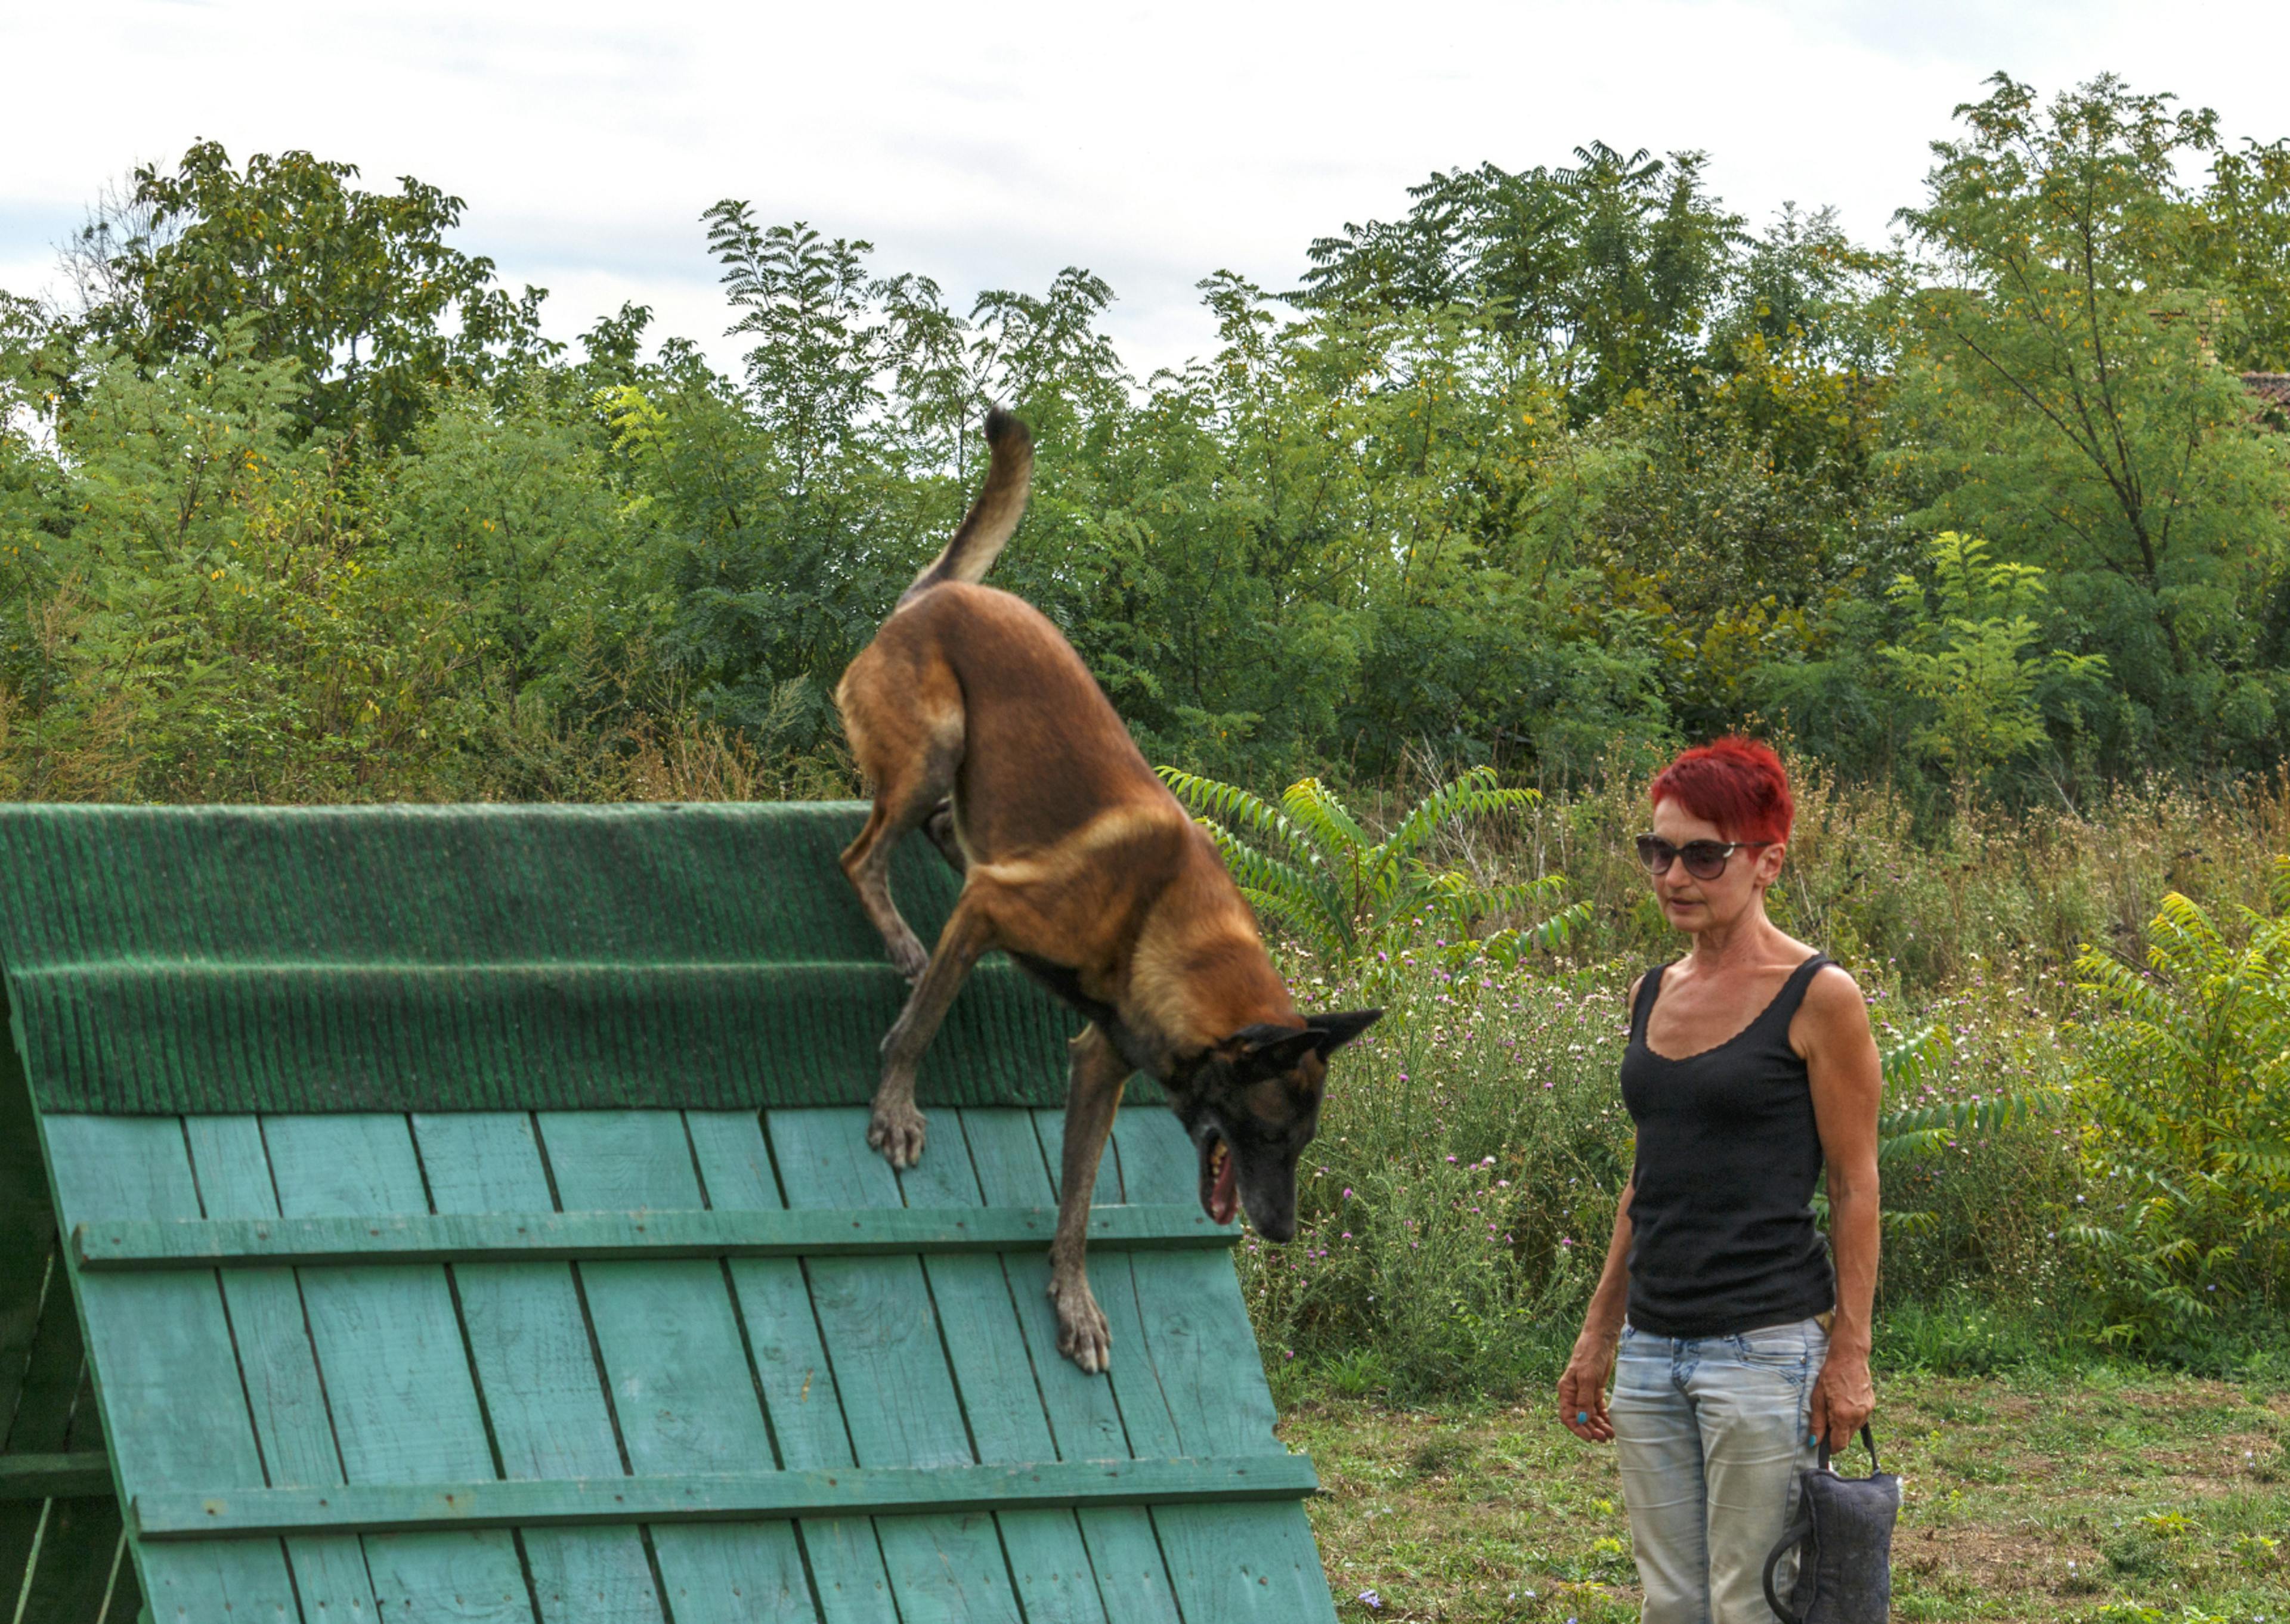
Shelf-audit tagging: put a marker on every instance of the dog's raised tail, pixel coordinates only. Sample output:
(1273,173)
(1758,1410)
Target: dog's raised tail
(994,515)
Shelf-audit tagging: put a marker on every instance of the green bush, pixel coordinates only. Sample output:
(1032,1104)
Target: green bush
(1456,1208)
(2184,1079)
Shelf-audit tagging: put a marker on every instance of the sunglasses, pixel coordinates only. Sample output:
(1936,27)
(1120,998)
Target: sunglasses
(1704,860)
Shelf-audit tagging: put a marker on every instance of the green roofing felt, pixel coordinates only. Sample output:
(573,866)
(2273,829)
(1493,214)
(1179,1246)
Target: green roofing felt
(212,959)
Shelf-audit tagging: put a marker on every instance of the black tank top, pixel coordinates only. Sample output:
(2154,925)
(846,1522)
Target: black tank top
(1722,1237)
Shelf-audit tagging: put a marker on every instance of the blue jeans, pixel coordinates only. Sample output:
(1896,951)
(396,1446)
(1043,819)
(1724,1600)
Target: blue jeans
(1709,1433)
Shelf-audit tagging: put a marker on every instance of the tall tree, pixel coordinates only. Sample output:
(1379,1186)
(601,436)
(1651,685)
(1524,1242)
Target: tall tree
(806,300)
(2072,407)
(2245,251)
(357,288)
(1613,265)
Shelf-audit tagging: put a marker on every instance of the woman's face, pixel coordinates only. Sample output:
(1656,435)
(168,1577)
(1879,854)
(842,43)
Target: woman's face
(1694,905)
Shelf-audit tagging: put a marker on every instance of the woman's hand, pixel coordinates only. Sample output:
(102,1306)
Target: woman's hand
(1842,1398)
(1582,1389)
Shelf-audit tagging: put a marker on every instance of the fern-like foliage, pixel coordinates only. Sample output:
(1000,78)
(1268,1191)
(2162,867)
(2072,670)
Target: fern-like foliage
(1905,1134)
(2186,1076)
(1308,864)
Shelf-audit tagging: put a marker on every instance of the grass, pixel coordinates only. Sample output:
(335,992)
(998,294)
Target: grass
(2108,1495)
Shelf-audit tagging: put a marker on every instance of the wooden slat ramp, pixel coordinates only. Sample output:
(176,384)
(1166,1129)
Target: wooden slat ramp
(571,1291)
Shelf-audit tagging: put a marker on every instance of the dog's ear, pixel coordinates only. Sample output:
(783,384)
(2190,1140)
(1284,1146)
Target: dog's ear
(1267,1051)
(1332,1032)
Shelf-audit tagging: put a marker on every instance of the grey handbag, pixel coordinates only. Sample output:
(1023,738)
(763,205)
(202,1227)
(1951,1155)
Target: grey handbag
(1844,1532)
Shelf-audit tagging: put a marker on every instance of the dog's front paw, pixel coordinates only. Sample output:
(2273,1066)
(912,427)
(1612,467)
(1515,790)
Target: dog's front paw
(910,958)
(898,1132)
(1082,1333)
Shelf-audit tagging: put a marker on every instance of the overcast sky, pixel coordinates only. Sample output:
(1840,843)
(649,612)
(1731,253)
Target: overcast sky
(990,144)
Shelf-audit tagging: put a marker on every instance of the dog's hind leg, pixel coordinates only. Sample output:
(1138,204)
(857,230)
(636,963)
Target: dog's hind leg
(866,864)
(939,827)
(1093,1097)
(909,750)
(896,1127)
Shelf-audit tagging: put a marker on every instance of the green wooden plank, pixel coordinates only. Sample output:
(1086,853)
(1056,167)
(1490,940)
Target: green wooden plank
(397,1375)
(602,1236)
(1144,1413)
(670,1342)
(1132,1375)
(536,1373)
(174,1408)
(1239,1562)
(875,1315)
(1084,1419)
(803,1405)
(80,1475)
(1007,1150)
(994,1378)
(284,1394)
(689,1502)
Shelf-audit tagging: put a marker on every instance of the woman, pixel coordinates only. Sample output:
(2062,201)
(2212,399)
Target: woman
(1750,1068)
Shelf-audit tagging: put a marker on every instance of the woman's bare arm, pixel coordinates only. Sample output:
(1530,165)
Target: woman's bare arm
(1582,1387)
(1847,1079)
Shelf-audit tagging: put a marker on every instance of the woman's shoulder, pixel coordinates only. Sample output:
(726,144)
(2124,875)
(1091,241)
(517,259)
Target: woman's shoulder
(1832,984)
(1638,982)
(1829,980)
(1833,1002)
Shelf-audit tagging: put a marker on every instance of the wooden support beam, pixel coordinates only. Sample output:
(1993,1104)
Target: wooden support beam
(84,1474)
(501,1237)
(371,1509)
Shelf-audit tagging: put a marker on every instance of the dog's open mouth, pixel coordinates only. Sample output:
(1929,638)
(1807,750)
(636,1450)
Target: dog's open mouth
(1220,1179)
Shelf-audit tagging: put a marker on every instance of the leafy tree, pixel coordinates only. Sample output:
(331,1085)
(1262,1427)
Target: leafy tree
(2244,251)
(1612,265)
(212,621)
(1047,354)
(2071,409)
(1732,557)
(505,503)
(1970,658)
(805,299)
(358,288)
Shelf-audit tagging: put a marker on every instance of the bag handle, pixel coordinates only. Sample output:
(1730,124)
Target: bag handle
(1867,1437)
(1801,1530)
(1796,1534)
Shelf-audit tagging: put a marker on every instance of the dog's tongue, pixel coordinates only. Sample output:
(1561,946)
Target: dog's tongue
(1223,1200)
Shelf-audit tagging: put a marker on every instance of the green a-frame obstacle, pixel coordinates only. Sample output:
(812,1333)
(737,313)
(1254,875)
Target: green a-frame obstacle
(467,1215)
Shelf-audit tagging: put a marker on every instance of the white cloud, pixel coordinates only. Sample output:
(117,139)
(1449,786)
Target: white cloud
(990,146)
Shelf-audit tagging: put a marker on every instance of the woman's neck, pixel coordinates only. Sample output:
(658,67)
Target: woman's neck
(1735,944)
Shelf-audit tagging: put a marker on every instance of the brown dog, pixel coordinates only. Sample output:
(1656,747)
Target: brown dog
(970,715)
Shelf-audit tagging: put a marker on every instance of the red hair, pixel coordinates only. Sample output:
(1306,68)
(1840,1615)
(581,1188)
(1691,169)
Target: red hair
(1738,784)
